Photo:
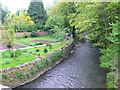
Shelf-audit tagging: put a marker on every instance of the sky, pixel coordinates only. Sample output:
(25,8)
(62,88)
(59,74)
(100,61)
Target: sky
(14,5)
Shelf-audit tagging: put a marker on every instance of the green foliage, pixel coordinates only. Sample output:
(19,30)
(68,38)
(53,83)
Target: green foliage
(50,46)
(6,54)
(110,56)
(34,34)
(37,13)
(40,66)
(3,13)
(22,22)
(20,74)
(45,50)
(58,16)
(11,38)
(37,50)
(45,62)
(17,52)
(57,55)
(39,54)
(96,21)
(34,70)
(112,79)
(5,76)
(8,61)
(31,28)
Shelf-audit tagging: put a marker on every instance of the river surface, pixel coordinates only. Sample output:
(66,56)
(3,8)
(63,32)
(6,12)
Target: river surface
(79,70)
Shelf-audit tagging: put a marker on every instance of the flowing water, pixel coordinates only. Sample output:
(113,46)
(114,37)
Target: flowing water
(79,70)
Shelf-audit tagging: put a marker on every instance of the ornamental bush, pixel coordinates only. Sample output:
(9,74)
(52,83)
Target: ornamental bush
(34,34)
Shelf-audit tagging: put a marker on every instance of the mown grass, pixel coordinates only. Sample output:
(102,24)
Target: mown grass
(41,49)
(27,55)
(12,62)
(27,41)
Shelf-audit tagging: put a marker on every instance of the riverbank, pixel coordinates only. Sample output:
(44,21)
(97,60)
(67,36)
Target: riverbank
(15,82)
(79,70)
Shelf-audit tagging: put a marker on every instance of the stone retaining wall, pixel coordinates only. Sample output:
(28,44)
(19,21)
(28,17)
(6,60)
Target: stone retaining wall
(23,34)
(14,82)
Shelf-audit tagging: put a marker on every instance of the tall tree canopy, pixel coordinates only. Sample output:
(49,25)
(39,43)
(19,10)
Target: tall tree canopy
(58,15)
(3,14)
(96,21)
(37,13)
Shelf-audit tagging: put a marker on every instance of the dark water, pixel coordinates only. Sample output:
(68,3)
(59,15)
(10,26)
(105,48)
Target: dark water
(80,70)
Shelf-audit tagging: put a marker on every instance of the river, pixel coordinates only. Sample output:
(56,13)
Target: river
(80,70)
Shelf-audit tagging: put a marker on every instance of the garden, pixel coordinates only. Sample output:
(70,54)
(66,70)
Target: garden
(97,22)
(40,47)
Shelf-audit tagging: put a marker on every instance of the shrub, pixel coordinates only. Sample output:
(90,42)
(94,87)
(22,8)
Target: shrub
(33,70)
(17,52)
(53,58)
(12,54)
(37,50)
(45,50)
(34,34)
(30,52)
(5,76)
(39,66)
(50,46)
(45,62)
(28,75)
(9,45)
(39,25)
(31,28)
(39,43)
(57,55)
(20,74)
(38,54)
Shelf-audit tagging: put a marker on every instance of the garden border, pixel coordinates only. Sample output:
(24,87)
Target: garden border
(15,83)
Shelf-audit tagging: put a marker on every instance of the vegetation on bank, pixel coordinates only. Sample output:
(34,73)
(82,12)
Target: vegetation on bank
(23,75)
(11,58)
(95,21)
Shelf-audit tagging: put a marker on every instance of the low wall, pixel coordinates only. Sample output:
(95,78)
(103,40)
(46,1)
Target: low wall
(23,34)
(15,82)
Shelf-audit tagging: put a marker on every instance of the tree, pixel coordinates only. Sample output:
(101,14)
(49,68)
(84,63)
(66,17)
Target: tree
(37,13)
(22,22)
(4,12)
(58,16)
(11,38)
(98,22)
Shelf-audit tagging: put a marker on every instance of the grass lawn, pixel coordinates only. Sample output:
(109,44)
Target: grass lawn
(10,62)
(26,41)
(41,49)
(27,55)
